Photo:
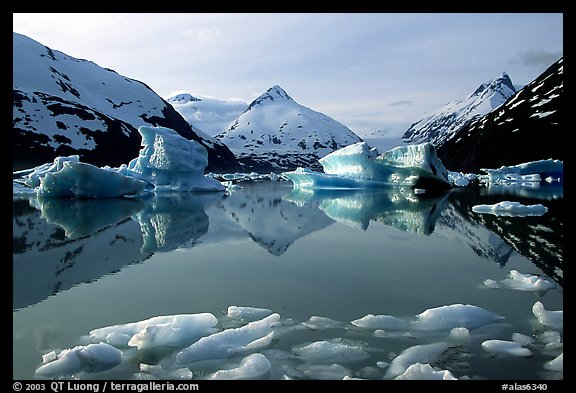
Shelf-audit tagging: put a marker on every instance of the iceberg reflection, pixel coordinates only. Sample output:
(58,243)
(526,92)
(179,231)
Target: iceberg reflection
(173,220)
(60,243)
(400,208)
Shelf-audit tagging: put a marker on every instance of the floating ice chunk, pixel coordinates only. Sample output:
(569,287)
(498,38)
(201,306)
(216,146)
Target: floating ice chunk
(511,209)
(229,342)
(32,176)
(171,162)
(248,314)
(553,319)
(551,340)
(556,364)
(254,366)
(317,323)
(386,322)
(506,347)
(455,315)
(326,352)
(382,364)
(182,329)
(169,329)
(460,179)
(157,371)
(522,282)
(82,180)
(426,353)
(419,371)
(531,171)
(89,358)
(522,339)
(359,166)
(459,334)
(325,372)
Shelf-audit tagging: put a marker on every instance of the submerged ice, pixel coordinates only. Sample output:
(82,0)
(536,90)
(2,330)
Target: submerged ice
(359,166)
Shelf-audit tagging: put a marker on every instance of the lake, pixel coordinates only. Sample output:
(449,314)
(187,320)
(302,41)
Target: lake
(319,259)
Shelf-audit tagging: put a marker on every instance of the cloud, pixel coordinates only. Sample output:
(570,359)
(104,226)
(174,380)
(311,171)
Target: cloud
(536,57)
(402,102)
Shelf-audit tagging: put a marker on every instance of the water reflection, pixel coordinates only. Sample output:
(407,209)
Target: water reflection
(533,190)
(170,221)
(396,207)
(272,221)
(59,243)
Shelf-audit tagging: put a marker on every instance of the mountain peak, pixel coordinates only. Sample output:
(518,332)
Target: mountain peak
(275,93)
(496,84)
(182,98)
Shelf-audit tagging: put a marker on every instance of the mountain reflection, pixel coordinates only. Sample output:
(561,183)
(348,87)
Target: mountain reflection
(60,243)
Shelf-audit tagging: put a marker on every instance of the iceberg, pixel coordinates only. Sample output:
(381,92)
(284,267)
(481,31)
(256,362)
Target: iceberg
(386,322)
(82,180)
(254,366)
(552,319)
(425,372)
(424,353)
(511,209)
(506,347)
(166,162)
(164,330)
(528,172)
(170,162)
(89,358)
(522,282)
(454,316)
(230,342)
(359,166)
(327,352)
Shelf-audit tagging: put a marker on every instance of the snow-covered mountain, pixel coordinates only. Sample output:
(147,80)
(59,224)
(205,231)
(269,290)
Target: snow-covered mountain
(63,105)
(277,133)
(527,127)
(207,114)
(443,123)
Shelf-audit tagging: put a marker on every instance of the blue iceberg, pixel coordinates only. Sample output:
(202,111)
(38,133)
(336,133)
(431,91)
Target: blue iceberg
(358,166)
(167,162)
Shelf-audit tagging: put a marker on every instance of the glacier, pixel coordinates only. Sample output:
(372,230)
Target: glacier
(167,162)
(359,166)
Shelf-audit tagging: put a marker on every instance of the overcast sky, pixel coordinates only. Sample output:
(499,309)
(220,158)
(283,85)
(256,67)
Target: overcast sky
(368,71)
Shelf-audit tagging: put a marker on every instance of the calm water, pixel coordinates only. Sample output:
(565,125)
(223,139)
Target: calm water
(82,265)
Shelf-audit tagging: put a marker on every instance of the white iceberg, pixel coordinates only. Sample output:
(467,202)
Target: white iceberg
(359,166)
(170,162)
(454,316)
(327,352)
(169,330)
(230,342)
(248,314)
(552,319)
(89,358)
(522,282)
(182,329)
(419,371)
(425,353)
(511,209)
(528,172)
(318,323)
(386,322)
(556,364)
(506,347)
(255,366)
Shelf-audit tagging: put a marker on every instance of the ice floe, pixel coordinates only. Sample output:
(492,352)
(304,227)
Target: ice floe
(511,209)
